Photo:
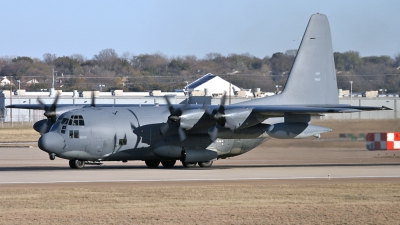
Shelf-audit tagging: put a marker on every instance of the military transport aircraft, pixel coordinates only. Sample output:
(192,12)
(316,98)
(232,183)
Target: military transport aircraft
(196,134)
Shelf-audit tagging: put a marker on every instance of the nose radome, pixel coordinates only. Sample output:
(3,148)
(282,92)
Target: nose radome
(51,142)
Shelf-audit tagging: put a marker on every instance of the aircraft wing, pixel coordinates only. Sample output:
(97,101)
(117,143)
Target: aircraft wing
(38,106)
(25,106)
(313,110)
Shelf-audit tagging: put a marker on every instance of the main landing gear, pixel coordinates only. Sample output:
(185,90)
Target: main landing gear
(201,164)
(76,164)
(155,163)
(171,163)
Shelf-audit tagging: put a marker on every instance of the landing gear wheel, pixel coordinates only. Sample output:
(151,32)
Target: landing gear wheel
(168,164)
(152,163)
(206,164)
(189,164)
(52,156)
(76,164)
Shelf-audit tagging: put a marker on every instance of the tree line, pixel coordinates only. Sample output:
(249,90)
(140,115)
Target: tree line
(157,71)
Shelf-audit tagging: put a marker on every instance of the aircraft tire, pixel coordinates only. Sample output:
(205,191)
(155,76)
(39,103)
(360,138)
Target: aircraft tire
(76,164)
(189,164)
(168,164)
(206,164)
(152,163)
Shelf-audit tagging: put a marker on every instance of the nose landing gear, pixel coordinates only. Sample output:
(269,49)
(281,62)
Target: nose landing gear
(52,156)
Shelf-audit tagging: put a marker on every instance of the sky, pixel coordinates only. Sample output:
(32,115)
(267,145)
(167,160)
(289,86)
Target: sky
(191,27)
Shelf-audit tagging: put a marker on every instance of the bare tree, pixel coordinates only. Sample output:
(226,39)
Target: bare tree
(106,58)
(396,62)
(49,58)
(78,57)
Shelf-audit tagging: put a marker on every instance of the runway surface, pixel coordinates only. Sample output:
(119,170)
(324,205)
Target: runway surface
(32,166)
(217,174)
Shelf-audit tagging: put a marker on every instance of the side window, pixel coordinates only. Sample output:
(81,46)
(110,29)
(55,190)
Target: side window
(73,133)
(76,133)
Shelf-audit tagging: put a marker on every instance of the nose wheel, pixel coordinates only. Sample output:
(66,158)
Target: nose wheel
(52,156)
(76,164)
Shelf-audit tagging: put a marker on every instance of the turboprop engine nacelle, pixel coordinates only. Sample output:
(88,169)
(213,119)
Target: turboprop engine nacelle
(295,130)
(189,118)
(42,126)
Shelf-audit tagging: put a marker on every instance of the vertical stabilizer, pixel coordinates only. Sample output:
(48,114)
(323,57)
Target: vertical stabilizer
(312,79)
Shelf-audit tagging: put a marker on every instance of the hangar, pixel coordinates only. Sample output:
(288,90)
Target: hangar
(212,85)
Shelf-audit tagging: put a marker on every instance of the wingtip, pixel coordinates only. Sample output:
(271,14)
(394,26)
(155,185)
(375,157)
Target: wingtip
(386,108)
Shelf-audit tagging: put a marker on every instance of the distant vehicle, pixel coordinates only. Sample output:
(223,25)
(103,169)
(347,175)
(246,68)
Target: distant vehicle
(196,134)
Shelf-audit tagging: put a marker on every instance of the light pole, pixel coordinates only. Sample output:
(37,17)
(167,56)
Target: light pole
(19,97)
(11,93)
(351,92)
(187,92)
(230,88)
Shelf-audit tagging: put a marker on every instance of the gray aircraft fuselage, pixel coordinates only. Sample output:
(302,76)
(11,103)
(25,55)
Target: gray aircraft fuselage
(124,133)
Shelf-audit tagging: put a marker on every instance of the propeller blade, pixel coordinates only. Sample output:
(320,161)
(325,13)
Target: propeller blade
(221,109)
(42,104)
(208,109)
(175,111)
(170,107)
(222,105)
(182,134)
(232,127)
(46,127)
(54,105)
(92,103)
(164,128)
(213,133)
(115,143)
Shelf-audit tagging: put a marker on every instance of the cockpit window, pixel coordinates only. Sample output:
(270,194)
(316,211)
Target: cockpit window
(76,120)
(60,118)
(64,121)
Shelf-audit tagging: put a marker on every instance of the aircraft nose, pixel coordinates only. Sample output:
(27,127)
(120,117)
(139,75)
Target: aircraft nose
(51,142)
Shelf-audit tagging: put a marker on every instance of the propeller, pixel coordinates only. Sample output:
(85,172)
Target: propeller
(220,117)
(92,103)
(50,111)
(174,117)
(43,126)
